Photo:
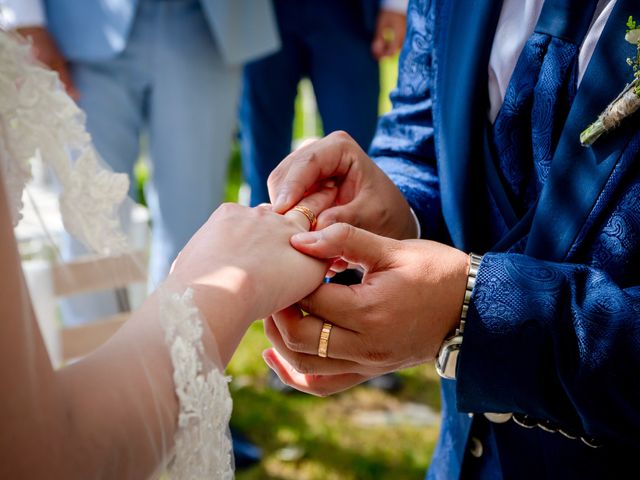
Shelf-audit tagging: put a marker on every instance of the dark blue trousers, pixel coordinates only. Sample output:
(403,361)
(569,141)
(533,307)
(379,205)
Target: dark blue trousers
(327,41)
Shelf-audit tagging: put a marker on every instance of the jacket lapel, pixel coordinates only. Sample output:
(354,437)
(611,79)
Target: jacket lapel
(463,46)
(578,175)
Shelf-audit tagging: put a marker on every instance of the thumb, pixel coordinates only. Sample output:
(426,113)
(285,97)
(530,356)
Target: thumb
(345,241)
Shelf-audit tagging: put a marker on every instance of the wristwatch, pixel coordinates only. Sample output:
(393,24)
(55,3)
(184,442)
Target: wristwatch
(447,358)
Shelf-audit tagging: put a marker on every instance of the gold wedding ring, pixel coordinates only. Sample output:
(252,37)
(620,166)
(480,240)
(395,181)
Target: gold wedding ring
(307,212)
(323,344)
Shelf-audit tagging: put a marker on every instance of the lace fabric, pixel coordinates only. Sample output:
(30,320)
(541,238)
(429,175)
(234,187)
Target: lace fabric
(38,119)
(203,447)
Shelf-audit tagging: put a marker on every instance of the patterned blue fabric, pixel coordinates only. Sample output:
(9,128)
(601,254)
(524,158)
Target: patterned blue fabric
(403,146)
(536,103)
(557,340)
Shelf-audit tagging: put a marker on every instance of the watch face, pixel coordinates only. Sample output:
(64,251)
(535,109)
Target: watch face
(447,359)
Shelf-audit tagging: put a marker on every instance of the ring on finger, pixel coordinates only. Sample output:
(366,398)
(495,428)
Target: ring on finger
(323,343)
(307,212)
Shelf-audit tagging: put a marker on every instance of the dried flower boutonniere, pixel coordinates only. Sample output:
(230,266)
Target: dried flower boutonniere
(626,103)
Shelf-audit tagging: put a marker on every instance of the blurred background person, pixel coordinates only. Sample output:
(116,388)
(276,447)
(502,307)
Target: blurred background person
(166,69)
(337,45)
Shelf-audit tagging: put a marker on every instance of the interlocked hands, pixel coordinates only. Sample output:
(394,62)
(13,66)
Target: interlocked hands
(411,294)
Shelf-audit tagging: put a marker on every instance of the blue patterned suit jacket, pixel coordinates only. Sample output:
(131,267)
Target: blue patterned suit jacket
(554,332)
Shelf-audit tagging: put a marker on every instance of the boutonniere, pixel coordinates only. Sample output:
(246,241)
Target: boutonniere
(624,104)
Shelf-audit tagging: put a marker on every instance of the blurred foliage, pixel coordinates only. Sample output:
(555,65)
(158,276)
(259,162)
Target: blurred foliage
(388,80)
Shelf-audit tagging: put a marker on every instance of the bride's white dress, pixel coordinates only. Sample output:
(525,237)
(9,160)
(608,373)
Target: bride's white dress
(37,118)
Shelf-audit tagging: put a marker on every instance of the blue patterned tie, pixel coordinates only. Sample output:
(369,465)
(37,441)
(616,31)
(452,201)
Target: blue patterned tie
(538,98)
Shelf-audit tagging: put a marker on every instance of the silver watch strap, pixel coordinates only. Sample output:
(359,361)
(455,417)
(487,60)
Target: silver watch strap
(474,265)
(447,358)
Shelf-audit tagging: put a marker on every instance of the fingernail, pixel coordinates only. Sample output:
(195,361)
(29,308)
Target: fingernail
(330,183)
(267,360)
(305,238)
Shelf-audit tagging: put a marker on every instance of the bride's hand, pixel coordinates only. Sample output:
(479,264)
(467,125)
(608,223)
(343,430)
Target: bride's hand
(246,253)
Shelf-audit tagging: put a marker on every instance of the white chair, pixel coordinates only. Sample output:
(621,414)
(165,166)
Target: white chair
(92,274)
(48,282)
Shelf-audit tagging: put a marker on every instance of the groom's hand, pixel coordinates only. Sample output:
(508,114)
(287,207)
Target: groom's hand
(409,301)
(366,198)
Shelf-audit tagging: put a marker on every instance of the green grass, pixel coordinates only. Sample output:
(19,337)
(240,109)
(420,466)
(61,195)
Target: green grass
(320,434)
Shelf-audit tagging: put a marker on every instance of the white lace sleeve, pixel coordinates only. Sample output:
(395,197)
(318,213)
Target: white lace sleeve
(202,444)
(37,118)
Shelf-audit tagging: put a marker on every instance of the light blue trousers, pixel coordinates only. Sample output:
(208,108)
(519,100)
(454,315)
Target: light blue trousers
(171,84)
